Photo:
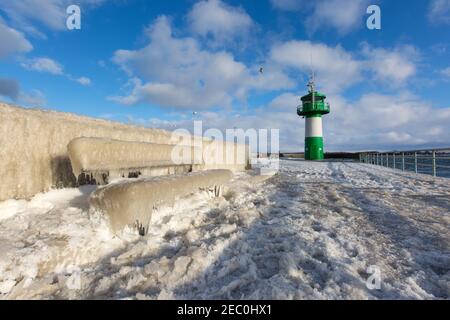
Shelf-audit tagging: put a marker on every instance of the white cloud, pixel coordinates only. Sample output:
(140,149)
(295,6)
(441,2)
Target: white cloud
(288,5)
(378,121)
(446,72)
(9,88)
(336,68)
(34,98)
(45,65)
(48,13)
(178,73)
(439,11)
(340,15)
(166,94)
(373,122)
(395,66)
(215,18)
(285,101)
(84,81)
(12,41)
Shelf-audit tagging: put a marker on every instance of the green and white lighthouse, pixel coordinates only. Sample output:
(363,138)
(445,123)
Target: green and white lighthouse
(313,108)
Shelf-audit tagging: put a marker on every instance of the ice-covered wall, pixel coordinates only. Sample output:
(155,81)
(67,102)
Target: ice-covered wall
(33,147)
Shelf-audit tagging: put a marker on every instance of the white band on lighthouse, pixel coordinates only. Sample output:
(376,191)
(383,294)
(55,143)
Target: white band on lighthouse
(313,127)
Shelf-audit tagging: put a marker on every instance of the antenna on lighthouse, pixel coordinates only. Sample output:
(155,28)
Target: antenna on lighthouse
(312,85)
(312,77)
(312,82)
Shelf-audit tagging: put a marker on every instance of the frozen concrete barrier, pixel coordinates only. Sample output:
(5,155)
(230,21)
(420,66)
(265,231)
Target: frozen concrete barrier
(34,157)
(100,158)
(131,202)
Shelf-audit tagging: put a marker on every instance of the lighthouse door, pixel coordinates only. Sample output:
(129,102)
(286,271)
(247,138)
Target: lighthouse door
(316,152)
(314,148)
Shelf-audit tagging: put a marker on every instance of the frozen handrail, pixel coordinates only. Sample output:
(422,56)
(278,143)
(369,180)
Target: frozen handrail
(102,156)
(131,202)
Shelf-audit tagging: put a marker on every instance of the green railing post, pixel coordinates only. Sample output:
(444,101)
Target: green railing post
(387,160)
(394,161)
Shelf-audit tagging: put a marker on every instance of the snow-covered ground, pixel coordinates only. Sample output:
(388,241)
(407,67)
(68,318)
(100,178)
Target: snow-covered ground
(309,232)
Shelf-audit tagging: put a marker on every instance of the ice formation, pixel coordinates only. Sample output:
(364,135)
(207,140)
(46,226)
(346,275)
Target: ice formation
(132,202)
(99,156)
(33,155)
(310,232)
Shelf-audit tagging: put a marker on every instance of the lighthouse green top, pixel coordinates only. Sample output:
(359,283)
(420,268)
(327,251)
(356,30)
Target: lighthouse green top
(320,107)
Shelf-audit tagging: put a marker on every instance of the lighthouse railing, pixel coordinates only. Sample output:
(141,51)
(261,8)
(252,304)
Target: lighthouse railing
(435,162)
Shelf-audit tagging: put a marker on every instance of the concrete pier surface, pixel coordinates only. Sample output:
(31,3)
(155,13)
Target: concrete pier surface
(315,230)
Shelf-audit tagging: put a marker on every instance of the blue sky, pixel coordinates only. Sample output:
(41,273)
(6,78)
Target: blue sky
(165,63)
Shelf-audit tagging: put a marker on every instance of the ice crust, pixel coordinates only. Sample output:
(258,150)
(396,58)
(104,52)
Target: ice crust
(34,158)
(309,232)
(129,203)
(117,158)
